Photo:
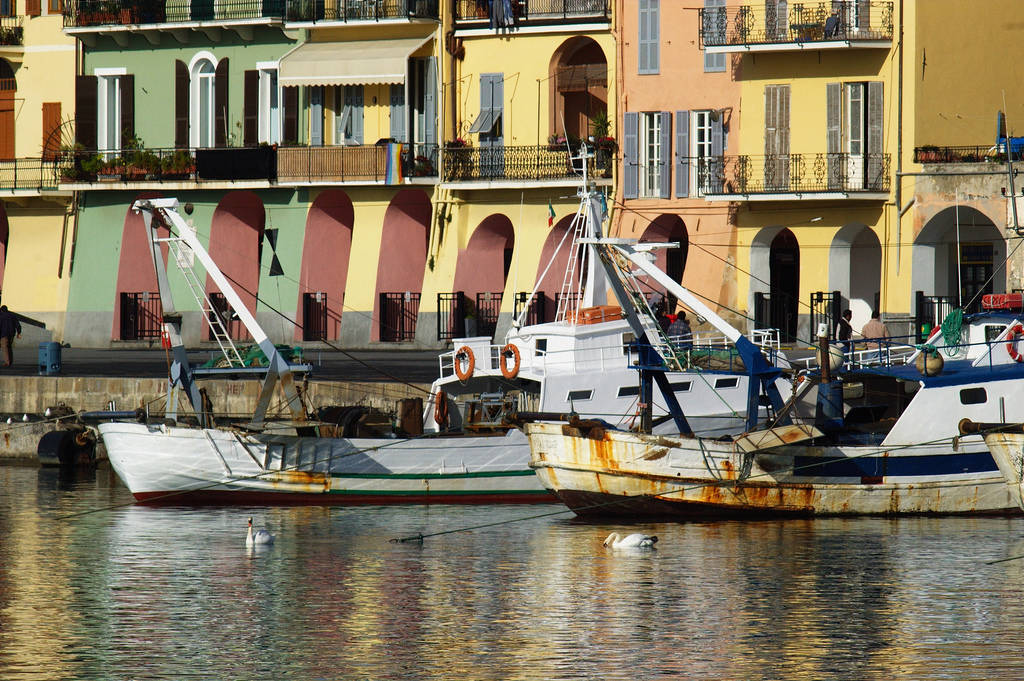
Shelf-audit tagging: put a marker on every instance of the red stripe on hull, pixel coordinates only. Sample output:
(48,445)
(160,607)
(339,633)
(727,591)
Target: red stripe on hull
(249,498)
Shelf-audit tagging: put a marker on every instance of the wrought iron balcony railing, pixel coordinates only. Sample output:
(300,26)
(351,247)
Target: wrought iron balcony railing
(168,165)
(793,174)
(11,31)
(520,163)
(83,13)
(469,13)
(366,163)
(964,154)
(361,10)
(27,174)
(799,22)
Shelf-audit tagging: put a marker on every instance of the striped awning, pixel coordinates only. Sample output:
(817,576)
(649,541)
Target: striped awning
(353,62)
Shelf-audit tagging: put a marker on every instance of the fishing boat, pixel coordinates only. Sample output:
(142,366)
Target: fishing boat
(462,447)
(1005,441)
(874,437)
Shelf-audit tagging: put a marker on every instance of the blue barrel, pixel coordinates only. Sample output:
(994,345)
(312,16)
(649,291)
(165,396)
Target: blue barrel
(49,359)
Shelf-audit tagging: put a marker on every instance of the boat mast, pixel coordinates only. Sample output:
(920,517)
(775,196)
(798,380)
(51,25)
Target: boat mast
(278,370)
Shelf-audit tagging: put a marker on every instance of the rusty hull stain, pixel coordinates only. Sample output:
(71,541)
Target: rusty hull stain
(305,478)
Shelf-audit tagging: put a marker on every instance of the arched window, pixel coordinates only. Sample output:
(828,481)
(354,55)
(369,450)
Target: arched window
(203,96)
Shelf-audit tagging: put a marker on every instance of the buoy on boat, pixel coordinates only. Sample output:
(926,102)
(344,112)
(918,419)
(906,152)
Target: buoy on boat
(835,357)
(929,362)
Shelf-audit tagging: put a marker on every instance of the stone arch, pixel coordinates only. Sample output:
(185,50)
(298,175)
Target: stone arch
(578,86)
(855,269)
(326,250)
(236,245)
(402,260)
(941,268)
(668,228)
(775,271)
(484,264)
(135,276)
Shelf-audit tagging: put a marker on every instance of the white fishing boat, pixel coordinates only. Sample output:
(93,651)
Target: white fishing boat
(878,438)
(464,450)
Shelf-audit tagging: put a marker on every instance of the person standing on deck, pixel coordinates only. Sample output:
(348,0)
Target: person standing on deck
(844,331)
(875,329)
(9,328)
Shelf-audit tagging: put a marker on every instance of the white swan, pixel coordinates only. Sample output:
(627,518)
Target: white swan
(631,541)
(259,537)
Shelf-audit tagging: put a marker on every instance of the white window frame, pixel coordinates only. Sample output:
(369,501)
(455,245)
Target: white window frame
(195,83)
(107,78)
(649,154)
(700,147)
(269,98)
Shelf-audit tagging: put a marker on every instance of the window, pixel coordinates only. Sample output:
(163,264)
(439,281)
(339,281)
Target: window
(541,346)
(726,383)
(316,115)
(648,39)
(269,107)
(580,395)
(55,7)
(7,8)
(650,155)
(348,127)
(681,387)
(854,142)
(714,33)
(203,98)
(634,390)
(108,91)
(973,396)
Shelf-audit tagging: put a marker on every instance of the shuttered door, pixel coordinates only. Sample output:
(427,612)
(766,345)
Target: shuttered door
(220,104)
(630,155)
(430,102)
(682,154)
(876,165)
(85,111)
(834,138)
(51,129)
(291,115)
(665,169)
(716,176)
(396,113)
(127,85)
(7,124)
(776,137)
(250,107)
(181,83)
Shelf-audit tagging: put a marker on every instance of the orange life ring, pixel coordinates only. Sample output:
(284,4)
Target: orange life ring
(506,352)
(441,409)
(464,374)
(1011,342)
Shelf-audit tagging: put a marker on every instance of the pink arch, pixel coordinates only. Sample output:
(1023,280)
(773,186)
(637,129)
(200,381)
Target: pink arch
(481,265)
(551,283)
(236,239)
(135,268)
(403,248)
(664,229)
(325,255)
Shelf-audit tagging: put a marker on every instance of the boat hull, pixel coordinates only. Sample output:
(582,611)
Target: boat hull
(175,465)
(614,473)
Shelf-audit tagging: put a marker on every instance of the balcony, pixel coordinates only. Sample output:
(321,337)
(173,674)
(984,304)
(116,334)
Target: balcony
(11,32)
(485,14)
(27,177)
(357,165)
(347,11)
(965,154)
(794,177)
(514,165)
(118,17)
(253,166)
(809,25)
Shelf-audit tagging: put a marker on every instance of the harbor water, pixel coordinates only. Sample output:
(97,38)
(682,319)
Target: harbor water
(92,587)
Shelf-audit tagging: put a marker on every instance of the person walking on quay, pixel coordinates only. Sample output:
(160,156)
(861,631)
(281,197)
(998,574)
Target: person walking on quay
(875,329)
(9,328)
(844,332)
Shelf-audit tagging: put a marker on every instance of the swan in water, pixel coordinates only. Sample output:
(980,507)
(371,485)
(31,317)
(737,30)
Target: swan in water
(259,537)
(631,541)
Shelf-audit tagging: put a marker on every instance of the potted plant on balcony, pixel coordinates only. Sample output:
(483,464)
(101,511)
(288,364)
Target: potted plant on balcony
(928,154)
(178,166)
(458,157)
(422,167)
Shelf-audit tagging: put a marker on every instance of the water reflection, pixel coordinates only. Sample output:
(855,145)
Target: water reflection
(159,593)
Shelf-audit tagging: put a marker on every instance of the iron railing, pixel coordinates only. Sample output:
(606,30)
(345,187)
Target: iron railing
(825,308)
(226,314)
(352,164)
(525,12)
(778,311)
(141,315)
(806,22)
(488,307)
(929,311)
(361,10)
(11,31)
(737,175)
(82,13)
(398,313)
(963,154)
(552,162)
(451,315)
(314,316)
(535,312)
(27,174)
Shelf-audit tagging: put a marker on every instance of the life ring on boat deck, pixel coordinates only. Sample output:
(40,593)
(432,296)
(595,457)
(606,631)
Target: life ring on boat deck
(509,351)
(1016,331)
(464,352)
(441,409)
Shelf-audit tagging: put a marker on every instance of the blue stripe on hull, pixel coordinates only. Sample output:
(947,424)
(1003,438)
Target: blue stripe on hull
(894,466)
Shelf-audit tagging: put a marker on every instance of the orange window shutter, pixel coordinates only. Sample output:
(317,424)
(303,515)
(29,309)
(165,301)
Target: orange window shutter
(51,129)
(33,8)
